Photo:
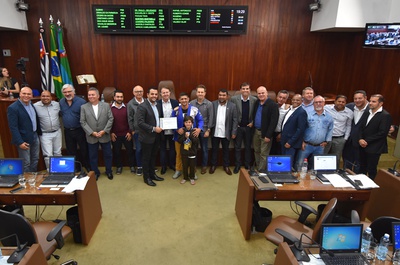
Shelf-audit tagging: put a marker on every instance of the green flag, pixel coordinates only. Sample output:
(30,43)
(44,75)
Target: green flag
(64,64)
(55,68)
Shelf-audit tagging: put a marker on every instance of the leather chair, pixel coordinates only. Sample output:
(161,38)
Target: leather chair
(49,235)
(290,230)
(108,93)
(169,84)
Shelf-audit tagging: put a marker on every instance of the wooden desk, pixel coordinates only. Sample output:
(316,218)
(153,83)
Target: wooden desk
(88,201)
(285,256)
(385,200)
(34,256)
(306,190)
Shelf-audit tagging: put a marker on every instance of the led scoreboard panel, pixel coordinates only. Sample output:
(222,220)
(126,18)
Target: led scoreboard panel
(216,20)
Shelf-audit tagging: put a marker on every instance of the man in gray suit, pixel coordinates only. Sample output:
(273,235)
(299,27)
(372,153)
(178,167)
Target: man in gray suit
(97,120)
(244,105)
(224,128)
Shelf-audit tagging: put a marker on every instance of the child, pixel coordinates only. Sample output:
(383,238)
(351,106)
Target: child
(188,150)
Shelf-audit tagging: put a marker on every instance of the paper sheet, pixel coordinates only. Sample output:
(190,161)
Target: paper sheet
(168,123)
(337,181)
(76,184)
(367,183)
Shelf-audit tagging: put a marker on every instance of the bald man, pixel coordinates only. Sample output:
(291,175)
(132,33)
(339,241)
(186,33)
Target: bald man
(51,138)
(24,126)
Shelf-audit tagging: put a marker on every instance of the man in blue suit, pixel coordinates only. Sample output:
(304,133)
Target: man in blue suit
(293,126)
(25,128)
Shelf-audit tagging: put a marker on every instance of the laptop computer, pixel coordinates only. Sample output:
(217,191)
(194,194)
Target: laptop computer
(279,169)
(342,242)
(61,170)
(324,164)
(10,169)
(396,235)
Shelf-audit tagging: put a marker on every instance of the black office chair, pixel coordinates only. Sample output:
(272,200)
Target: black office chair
(49,235)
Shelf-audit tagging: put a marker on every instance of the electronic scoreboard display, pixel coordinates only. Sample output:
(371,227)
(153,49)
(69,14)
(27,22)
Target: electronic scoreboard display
(126,19)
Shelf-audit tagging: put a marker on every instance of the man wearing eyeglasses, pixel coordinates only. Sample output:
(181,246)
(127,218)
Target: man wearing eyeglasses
(132,109)
(70,111)
(318,132)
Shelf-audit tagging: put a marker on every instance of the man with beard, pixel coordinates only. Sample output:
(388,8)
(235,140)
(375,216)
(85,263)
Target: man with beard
(318,133)
(342,119)
(120,132)
(224,129)
(148,120)
(74,135)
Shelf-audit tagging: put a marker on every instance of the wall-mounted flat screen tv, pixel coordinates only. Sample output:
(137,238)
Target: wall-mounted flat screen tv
(382,35)
(169,19)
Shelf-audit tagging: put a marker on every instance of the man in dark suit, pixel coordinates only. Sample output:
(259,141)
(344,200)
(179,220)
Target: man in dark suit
(97,120)
(165,107)
(25,128)
(375,125)
(224,128)
(265,117)
(149,135)
(351,150)
(293,126)
(245,106)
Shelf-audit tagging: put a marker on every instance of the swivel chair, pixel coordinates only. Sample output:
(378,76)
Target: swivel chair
(290,229)
(49,235)
(108,93)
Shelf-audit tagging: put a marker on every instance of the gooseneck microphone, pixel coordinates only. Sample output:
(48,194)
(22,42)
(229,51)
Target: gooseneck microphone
(296,245)
(330,253)
(19,252)
(393,170)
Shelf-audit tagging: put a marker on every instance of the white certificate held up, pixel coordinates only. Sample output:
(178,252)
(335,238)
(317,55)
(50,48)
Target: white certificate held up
(168,123)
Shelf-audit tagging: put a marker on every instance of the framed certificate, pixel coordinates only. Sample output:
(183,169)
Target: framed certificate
(169,123)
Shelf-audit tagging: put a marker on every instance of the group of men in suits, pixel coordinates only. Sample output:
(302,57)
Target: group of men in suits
(244,118)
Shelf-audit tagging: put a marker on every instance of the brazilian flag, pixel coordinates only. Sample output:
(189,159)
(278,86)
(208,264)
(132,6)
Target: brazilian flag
(55,66)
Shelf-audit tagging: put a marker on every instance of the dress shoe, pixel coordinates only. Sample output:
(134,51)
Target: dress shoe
(203,170)
(236,170)
(227,170)
(149,182)
(119,170)
(110,175)
(212,170)
(157,178)
(163,170)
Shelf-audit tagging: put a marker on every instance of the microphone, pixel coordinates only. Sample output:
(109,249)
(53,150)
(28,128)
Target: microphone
(82,173)
(298,250)
(330,253)
(19,252)
(393,170)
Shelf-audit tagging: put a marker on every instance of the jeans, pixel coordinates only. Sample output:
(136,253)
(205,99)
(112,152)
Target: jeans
(308,150)
(138,152)
(204,149)
(73,138)
(51,145)
(117,146)
(94,156)
(30,156)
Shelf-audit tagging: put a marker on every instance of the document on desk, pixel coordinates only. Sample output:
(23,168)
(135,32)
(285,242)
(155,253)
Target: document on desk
(314,260)
(367,183)
(337,181)
(3,260)
(76,184)
(168,123)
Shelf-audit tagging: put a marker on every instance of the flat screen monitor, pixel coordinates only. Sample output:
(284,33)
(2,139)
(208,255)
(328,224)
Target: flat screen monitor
(382,35)
(170,19)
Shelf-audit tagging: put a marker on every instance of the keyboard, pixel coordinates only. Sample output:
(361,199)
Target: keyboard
(357,259)
(58,179)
